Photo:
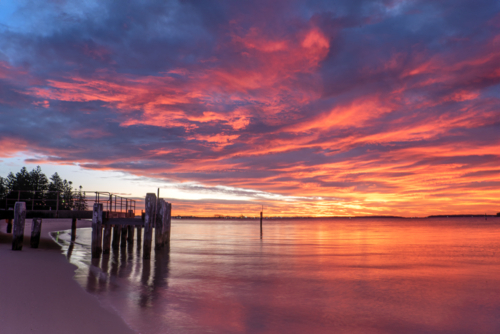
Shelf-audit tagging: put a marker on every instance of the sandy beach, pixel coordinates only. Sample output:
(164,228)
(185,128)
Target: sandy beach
(38,293)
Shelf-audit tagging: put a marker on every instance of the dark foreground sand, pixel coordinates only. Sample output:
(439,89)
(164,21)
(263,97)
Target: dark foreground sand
(38,293)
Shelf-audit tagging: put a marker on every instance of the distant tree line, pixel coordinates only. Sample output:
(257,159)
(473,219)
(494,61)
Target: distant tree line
(40,192)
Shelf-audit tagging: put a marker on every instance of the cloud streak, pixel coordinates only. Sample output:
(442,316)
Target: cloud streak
(348,108)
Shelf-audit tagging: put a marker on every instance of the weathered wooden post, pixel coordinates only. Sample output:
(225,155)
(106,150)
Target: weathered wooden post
(19,218)
(130,233)
(149,220)
(161,211)
(261,223)
(9,225)
(97,230)
(124,236)
(36,229)
(106,242)
(117,231)
(73,229)
(168,220)
(139,234)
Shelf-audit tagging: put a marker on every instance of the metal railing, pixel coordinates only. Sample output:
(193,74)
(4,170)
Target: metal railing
(52,200)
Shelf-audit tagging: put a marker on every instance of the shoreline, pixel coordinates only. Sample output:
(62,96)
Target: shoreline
(38,293)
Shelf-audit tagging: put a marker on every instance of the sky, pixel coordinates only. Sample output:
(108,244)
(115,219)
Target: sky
(317,108)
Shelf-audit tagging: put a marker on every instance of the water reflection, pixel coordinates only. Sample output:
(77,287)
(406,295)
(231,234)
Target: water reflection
(123,268)
(319,276)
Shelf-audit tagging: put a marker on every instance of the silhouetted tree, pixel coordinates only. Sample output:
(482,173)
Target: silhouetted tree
(3,187)
(80,201)
(35,185)
(39,184)
(67,195)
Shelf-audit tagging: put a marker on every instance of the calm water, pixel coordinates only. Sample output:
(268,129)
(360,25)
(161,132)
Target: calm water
(305,276)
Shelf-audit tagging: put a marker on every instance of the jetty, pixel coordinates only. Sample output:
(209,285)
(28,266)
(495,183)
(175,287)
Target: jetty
(114,222)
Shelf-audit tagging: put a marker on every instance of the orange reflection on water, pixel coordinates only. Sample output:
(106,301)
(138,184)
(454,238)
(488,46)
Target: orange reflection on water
(320,276)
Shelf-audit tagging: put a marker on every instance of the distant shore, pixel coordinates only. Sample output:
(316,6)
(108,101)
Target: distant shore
(332,217)
(38,293)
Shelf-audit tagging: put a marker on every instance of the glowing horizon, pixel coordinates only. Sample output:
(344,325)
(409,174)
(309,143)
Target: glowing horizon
(309,108)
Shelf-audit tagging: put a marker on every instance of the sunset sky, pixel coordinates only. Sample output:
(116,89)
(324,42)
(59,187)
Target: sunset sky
(306,107)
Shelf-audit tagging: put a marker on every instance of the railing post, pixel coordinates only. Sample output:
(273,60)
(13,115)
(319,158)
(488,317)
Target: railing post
(97,230)
(150,207)
(19,218)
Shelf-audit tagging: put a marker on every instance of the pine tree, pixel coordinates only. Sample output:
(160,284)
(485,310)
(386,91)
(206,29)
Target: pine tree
(3,191)
(80,202)
(34,185)
(18,182)
(67,195)
(39,184)
(56,188)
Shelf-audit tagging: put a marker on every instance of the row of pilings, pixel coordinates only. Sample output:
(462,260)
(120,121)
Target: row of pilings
(158,215)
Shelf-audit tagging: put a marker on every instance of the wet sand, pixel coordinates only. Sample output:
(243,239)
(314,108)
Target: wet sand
(38,293)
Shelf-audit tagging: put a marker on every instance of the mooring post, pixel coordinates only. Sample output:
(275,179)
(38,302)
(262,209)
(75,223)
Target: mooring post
(261,223)
(9,225)
(106,242)
(117,231)
(124,236)
(139,234)
(73,229)
(165,222)
(130,233)
(19,218)
(169,222)
(97,230)
(164,235)
(160,214)
(149,216)
(36,229)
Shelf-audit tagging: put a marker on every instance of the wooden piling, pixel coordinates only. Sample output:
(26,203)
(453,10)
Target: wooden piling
(9,225)
(130,234)
(106,242)
(36,229)
(97,230)
(261,223)
(161,211)
(73,229)
(149,216)
(19,219)
(139,240)
(117,231)
(123,242)
(168,224)
(165,223)
(139,233)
